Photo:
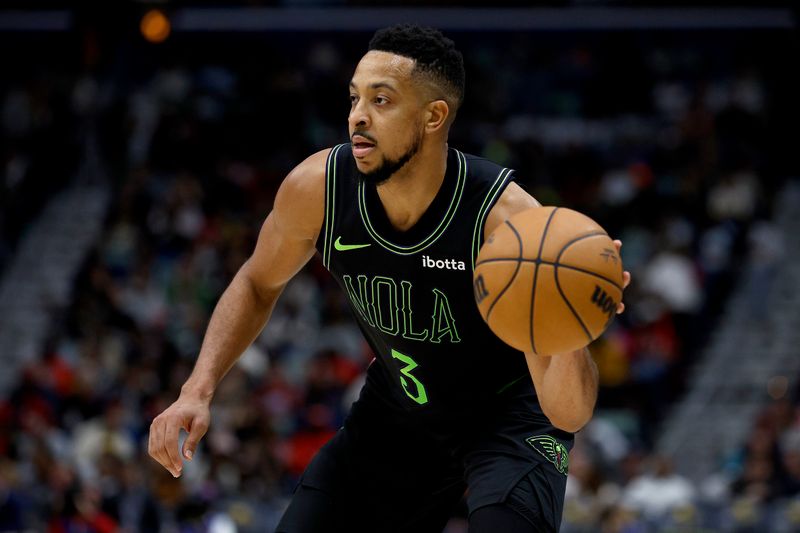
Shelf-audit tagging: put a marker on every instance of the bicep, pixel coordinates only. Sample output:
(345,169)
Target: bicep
(288,236)
(279,254)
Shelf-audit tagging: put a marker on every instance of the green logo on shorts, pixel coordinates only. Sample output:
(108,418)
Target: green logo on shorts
(552,450)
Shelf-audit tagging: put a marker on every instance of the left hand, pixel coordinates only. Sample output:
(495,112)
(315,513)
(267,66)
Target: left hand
(626,277)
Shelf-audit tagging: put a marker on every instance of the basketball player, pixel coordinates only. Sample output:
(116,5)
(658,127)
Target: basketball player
(398,218)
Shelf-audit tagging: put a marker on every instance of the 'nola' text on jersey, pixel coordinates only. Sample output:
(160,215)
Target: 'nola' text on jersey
(387,305)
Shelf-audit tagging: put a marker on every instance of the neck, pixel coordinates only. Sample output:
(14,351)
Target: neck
(409,192)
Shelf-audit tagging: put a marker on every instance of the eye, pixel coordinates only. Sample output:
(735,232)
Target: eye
(380,100)
(353,99)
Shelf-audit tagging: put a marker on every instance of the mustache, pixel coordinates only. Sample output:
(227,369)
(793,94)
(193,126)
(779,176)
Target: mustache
(364,134)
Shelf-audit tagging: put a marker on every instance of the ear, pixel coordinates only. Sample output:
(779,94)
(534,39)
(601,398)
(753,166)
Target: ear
(436,118)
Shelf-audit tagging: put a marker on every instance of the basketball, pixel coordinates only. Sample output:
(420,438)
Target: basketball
(548,280)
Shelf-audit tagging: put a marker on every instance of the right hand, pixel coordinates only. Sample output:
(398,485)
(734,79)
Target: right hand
(190,414)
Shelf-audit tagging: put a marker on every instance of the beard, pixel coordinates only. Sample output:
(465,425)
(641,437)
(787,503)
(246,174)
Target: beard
(388,167)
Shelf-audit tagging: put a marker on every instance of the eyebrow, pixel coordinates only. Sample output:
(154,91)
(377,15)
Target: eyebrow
(377,85)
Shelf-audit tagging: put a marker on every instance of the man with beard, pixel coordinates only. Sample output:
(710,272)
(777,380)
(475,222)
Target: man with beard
(398,218)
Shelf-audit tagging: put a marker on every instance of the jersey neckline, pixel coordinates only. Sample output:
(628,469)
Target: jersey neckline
(433,222)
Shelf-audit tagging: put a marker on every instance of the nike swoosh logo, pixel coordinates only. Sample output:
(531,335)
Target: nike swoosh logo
(344,247)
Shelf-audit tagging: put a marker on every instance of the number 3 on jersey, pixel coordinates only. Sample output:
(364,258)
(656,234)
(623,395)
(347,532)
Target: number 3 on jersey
(421,397)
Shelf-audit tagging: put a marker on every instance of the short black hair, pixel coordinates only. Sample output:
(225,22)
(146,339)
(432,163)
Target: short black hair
(435,55)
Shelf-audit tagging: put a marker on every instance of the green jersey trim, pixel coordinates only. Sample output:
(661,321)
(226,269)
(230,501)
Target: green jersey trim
(507,386)
(330,204)
(480,220)
(435,234)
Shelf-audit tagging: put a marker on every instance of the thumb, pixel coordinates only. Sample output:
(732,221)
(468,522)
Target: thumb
(197,428)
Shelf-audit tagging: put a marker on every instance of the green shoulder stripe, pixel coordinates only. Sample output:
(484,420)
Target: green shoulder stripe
(330,204)
(488,202)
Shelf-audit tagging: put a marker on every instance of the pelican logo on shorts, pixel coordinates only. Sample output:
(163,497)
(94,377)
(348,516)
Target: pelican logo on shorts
(552,450)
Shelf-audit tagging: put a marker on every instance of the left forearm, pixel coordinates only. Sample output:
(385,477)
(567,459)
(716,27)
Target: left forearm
(567,387)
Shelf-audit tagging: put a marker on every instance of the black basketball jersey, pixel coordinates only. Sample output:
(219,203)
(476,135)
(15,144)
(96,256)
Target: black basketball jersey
(412,291)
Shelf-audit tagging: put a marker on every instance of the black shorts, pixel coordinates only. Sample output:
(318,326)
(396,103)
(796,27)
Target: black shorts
(386,473)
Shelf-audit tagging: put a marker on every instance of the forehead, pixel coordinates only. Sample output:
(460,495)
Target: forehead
(378,66)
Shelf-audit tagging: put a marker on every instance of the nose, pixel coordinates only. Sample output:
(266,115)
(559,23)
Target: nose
(359,118)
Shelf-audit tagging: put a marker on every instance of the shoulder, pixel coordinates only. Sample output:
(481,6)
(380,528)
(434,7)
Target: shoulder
(300,200)
(307,178)
(513,200)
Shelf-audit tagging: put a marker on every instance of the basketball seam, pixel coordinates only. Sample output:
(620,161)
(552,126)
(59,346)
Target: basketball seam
(550,263)
(513,277)
(556,265)
(574,313)
(580,238)
(536,275)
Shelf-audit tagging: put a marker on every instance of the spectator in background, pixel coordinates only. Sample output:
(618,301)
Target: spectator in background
(12,503)
(766,248)
(658,491)
(761,473)
(99,437)
(734,197)
(790,461)
(82,512)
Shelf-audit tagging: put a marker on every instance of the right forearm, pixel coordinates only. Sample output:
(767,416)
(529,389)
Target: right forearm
(237,320)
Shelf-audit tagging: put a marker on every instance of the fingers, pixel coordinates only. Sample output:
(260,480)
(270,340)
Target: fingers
(197,429)
(626,277)
(626,280)
(155,445)
(171,434)
(163,443)
(156,436)
(194,417)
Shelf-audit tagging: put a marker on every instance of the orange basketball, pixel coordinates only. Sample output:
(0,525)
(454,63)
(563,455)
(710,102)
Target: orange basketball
(548,280)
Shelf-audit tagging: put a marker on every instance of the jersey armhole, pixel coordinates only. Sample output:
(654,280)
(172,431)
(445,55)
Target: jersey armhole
(502,180)
(325,239)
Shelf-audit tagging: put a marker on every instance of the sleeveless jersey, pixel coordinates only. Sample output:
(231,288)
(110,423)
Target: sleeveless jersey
(412,292)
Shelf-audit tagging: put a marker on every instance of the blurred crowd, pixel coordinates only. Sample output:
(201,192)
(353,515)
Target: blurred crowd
(755,489)
(39,149)
(664,143)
